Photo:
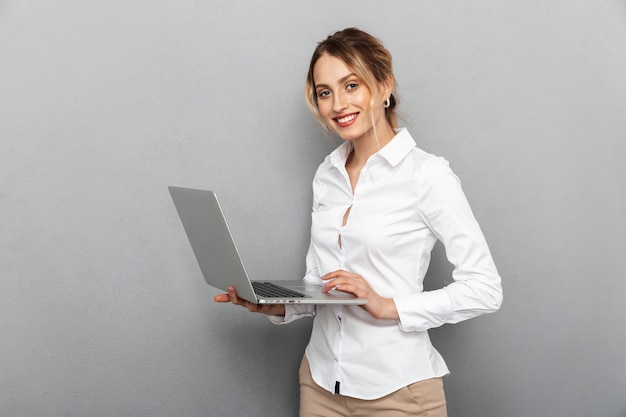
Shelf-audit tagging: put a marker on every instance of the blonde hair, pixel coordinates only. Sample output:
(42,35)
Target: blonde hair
(363,54)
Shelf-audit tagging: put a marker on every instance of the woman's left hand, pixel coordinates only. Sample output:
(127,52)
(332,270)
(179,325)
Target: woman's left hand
(379,307)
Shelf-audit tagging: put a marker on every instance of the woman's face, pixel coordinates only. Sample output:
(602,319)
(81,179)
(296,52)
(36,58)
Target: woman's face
(343,99)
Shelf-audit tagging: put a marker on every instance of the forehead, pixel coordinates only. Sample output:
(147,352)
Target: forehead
(330,70)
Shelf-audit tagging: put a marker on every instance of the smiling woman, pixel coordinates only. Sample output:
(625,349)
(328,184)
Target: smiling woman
(355,48)
(347,105)
(379,206)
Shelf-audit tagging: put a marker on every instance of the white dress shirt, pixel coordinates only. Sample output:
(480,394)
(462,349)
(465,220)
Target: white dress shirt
(405,200)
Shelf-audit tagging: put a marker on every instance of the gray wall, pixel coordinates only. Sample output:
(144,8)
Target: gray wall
(103,104)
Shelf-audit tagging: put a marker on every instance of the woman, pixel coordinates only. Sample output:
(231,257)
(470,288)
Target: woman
(379,205)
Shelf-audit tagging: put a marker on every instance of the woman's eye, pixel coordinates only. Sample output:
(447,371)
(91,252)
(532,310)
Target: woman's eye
(323,93)
(352,86)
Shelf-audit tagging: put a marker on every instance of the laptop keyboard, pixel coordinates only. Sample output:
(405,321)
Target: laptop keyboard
(268,289)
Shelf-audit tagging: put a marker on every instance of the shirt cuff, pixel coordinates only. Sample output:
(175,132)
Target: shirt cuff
(423,311)
(293,313)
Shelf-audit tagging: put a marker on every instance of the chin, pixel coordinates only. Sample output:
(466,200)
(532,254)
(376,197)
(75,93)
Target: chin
(349,135)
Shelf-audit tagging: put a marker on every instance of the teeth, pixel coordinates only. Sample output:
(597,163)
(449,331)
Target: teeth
(346,119)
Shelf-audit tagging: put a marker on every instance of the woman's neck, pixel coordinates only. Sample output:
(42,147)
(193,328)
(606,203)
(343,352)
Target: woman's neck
(366,146)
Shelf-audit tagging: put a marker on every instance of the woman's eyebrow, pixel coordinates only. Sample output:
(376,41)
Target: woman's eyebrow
(341,81)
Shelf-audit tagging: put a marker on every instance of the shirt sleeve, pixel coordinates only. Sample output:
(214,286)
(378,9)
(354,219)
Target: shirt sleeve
(293,313)
(477,286)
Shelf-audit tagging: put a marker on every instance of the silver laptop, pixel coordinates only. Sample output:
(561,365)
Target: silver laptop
(221,265)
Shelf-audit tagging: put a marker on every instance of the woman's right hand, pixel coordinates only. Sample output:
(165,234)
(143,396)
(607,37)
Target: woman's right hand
(269,309)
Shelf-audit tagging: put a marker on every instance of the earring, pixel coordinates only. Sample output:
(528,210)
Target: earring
(387,103)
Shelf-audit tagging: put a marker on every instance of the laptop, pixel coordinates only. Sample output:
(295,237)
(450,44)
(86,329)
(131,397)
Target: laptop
(221,264)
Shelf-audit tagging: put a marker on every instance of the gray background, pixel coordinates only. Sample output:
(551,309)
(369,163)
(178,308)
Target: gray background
(103,311)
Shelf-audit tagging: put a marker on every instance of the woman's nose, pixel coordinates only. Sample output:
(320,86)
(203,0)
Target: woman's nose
(339,102)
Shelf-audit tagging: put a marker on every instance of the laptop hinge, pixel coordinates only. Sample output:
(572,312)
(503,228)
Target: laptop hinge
(336,387)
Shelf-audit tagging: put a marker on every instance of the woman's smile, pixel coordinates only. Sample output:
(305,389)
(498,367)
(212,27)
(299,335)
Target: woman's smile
(346,120)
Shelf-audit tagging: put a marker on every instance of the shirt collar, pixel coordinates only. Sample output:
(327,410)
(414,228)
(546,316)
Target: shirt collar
(398,147)
(393,152)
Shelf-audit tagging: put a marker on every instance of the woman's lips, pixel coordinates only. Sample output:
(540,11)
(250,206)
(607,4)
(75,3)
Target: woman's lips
(346,120)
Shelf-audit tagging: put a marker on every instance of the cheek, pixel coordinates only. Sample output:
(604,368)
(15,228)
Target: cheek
(324,108)
(362,99)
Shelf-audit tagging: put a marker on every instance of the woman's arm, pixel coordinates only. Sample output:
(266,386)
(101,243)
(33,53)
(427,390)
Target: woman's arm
(477,285)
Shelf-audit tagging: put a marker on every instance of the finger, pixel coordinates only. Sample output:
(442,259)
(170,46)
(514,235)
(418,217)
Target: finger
(333,274)
(222,298)
(327,285)
(330,284)
(232,294)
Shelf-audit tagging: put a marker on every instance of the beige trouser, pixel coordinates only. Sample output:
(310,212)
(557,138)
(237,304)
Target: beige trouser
(421,399)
